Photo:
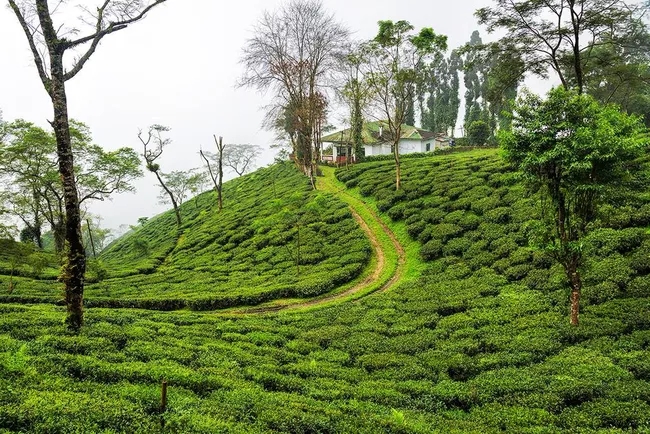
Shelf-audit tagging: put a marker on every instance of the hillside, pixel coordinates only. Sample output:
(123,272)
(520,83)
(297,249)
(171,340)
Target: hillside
(275,238)
(479,342)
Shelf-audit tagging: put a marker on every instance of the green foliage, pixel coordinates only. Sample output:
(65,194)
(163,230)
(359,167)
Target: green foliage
(478,133)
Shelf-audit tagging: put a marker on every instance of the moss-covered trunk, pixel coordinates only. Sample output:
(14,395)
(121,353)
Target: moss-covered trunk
(75,265)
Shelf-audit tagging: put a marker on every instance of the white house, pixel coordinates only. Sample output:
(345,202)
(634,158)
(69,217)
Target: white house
(377,141)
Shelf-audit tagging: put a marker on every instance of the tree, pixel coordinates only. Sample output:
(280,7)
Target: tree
(216,172)
(394,68)
(560,35)
(43,36)
(180,183)
(354,94)
(28,165)
(575,152)
(240,158)
(439,95)
(153,146)
(478,133)
(621,75)
(475,79)
(96,238)
(293,53)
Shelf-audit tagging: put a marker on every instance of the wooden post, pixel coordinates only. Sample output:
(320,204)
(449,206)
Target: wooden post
(163,398)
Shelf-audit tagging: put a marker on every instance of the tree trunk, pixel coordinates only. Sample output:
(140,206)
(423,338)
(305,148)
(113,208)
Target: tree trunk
(576,286)
(58,231)
(220,190)
(171,197)
(75,267)
(398,173)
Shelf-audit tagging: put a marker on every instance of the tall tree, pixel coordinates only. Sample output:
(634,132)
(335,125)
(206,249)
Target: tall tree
(294,53)
(621,75)
(394,69)
(35,18)
(475,78)
(153,146)
(355,95)
(560,35)
(575,152)
(439,96)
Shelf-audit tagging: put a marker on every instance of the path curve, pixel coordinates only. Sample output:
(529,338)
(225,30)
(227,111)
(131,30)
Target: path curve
(369,280)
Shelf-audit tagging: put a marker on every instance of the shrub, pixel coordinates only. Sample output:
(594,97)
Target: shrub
(431,250)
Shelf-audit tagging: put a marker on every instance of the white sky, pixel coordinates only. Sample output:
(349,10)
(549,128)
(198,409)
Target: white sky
(178,67)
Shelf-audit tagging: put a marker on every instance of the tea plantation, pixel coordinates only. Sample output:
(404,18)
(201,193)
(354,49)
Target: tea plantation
(480,343)
(247,254)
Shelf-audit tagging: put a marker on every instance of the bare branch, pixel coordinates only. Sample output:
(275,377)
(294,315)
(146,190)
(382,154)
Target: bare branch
(29,33)
(128,16)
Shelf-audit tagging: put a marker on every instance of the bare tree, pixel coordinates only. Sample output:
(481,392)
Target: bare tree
(216,173)
(240,158)
(49,43)
(153,146)
(294,53)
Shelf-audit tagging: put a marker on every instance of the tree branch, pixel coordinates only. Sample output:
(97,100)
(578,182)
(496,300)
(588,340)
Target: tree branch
(38,60)
(96,37)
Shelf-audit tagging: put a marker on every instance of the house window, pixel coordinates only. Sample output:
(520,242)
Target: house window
(428,147)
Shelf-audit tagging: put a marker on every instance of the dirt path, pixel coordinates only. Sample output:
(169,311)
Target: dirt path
(377,247)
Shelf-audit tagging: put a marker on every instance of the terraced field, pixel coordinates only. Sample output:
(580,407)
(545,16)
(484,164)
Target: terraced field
(274,239)
(473,338)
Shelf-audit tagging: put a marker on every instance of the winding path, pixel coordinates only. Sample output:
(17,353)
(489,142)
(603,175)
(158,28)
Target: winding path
(384,274)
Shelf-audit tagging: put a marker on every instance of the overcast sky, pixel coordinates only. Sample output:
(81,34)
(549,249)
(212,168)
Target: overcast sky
(178,67)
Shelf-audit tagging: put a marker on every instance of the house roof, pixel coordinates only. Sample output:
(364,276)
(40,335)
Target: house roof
(370,134)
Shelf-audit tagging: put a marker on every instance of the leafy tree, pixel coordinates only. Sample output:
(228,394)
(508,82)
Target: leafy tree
(478,133)
(560,35)
(180,183)
(240,158)
(355,94)
(28,164)
(505,73)
(394,68)
(96,238)
(48,43)
(153,146)
(475,79)
(439,98)
(575,152)
(621,75)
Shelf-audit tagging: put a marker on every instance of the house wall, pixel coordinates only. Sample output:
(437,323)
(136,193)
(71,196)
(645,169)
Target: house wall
(383,149)
(407,146)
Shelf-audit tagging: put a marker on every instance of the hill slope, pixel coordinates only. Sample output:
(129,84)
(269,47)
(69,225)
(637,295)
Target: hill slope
(480,343)
(275,238)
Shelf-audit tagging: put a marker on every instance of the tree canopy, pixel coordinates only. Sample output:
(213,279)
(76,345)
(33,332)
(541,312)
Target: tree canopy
(576,152)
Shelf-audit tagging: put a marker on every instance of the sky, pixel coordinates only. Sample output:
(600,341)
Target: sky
(179,67)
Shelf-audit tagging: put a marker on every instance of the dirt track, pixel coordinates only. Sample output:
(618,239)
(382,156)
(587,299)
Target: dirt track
(328,184)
